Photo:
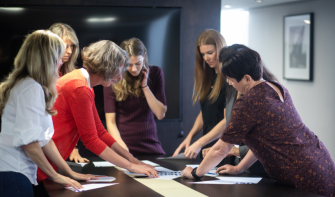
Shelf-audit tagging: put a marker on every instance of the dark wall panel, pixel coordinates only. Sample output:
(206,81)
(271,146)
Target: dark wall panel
(197,15)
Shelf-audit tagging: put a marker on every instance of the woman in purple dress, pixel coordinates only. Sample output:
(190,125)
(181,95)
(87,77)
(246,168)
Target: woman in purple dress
(266,120)
(131,104)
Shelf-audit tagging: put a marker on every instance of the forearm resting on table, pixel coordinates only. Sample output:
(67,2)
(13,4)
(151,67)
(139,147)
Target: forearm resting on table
(111,156)
(35,153)
(218,152)
(113,130)
(157,107)
(246,162)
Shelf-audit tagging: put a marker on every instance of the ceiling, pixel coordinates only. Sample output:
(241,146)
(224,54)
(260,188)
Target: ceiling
(250,4)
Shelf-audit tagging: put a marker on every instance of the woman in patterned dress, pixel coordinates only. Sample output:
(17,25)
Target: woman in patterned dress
(266,120)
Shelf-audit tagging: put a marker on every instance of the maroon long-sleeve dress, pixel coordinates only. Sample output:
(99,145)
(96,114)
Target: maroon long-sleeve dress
(134,118)
(273,130)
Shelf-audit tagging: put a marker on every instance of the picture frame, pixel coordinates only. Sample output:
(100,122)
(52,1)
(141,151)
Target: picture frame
(298,47)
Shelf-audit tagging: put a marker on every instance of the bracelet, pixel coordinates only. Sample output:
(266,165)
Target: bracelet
(144,86)
(194,174)
(198,144)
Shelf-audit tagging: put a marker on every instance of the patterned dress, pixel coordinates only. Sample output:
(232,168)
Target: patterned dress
(273,130)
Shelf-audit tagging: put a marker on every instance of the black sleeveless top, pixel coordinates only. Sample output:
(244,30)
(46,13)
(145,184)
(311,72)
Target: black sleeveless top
(212,113)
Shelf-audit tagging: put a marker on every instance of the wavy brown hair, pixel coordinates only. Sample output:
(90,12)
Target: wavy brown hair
(65,30)
(130,85)
(104,58)
(37,58)
(203,73)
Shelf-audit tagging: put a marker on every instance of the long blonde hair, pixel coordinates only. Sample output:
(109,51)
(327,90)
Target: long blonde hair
(38,58)
(203,74)
(130,85)
(65,31)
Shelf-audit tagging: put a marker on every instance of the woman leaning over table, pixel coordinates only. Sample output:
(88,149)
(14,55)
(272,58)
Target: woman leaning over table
(26,99)
(210,91)
(266,120)
(131,104)
(104,63)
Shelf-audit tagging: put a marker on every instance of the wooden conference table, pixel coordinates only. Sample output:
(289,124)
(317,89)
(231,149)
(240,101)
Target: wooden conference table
(129,187)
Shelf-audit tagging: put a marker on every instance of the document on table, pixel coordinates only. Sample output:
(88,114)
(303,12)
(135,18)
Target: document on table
(103,164)
(150,163)
(91,186)
(230,181)
(103,179)
(179,156)
(70,163)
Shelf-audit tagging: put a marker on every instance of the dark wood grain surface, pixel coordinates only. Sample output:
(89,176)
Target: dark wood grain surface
(129,187)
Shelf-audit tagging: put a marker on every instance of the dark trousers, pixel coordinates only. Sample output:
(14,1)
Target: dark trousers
(13,184)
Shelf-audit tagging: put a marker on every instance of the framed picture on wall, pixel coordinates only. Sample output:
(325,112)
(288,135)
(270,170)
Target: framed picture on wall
(298,47)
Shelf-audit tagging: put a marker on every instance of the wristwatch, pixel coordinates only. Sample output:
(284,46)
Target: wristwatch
(194,174)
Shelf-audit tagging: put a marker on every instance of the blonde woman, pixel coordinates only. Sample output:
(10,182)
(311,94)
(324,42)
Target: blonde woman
(69,37)
(209,90)
(131,104)
(103,64)
(69,59)
(26,100)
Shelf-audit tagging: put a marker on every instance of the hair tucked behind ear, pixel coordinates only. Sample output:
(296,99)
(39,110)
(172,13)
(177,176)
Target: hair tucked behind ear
(38,58)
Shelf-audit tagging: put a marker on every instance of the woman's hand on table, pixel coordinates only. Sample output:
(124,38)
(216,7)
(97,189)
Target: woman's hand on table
(185,144)
(186,173)
(84,177)
(76,157)
(228,169)
(66,181)
(144,169)
(192,151)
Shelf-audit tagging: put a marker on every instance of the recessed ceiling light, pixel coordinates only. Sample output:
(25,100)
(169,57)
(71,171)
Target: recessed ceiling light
(259,1)
(101,19)
(11,9)
(227,6)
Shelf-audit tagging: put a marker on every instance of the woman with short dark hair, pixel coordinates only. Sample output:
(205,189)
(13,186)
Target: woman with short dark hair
(266,120)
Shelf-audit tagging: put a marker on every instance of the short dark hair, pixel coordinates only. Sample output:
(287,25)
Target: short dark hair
(238,60)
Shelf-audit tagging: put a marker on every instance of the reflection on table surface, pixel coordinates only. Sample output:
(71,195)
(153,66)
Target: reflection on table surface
(129,187)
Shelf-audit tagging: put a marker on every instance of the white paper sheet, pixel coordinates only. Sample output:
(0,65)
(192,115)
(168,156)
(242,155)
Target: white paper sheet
(91,186)
(230,181)
(103,179)
(150,163)
(70,163)
(162,169)
(103,164)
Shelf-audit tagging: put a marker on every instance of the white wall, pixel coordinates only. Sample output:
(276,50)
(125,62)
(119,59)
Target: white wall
(315,101)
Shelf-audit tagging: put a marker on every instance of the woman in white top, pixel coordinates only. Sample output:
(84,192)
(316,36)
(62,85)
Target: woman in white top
(26,99)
